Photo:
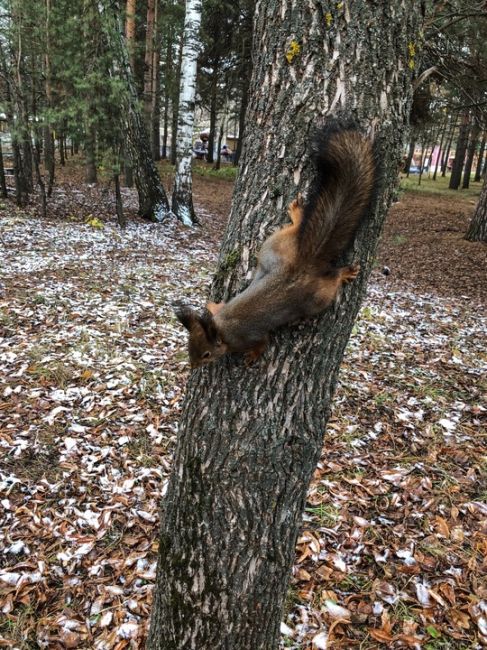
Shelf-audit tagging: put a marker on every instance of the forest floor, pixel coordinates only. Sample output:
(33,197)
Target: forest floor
(92,369)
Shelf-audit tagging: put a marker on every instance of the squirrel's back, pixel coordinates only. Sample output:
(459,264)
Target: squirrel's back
(340,194)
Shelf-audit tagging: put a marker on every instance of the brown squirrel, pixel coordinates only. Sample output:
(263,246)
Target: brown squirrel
(296,276)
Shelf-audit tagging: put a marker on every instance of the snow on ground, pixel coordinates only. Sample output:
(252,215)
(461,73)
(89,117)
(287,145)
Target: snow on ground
(92,368)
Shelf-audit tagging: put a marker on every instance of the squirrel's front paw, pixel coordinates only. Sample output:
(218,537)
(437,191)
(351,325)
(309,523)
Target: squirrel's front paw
(351,272)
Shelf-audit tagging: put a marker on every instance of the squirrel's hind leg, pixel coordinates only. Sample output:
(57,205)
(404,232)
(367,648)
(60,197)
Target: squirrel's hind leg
(254,353)
(296,210)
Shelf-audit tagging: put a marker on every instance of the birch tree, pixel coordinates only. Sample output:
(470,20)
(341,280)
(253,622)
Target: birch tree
(249,439)
(182,196)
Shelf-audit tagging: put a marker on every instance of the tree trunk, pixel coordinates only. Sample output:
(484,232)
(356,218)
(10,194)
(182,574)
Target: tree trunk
(478,169)
(219,146)
(153,203)
(249,439)
(49,160)
(456,172)
(213,111)
(90,155)
(40,181)
(62,158)
(3,184)
(122,221)
(245,74)
(409,157)
(444,162)
(440,148)
(156,113)
(474,138)
(175,104)
(182,195)
(130,10)
(477,231)
(165,130)
(148,65)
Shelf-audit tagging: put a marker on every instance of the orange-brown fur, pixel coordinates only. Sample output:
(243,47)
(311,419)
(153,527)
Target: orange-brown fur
(296,276)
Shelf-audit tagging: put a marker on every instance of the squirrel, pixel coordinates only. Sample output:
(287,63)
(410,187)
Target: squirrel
(296,275)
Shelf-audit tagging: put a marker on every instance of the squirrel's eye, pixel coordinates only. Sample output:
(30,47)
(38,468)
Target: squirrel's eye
(206,355)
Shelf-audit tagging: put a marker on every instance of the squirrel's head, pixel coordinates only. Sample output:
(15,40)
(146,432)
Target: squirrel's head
(205,344)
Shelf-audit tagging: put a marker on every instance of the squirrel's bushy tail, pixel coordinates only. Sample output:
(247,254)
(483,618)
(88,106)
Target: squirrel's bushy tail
(342,190)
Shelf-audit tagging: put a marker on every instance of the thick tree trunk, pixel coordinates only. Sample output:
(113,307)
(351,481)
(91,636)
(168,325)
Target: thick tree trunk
(474,138)
(477,231)
(249,439)
(478,169)
(182,195)
(456,172)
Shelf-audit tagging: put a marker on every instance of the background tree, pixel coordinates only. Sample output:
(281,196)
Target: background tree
(477,231)
(182,195)
(244,457)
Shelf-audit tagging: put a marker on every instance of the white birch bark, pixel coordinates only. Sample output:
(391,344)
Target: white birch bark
(182,198)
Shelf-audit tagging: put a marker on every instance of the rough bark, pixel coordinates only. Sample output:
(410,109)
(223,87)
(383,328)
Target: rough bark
(477,231)
(249,439)
(472,146)
(182,195)
(478,169)
(456,172)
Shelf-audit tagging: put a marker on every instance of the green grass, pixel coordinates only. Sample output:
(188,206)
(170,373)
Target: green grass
(439,187)
(226,172)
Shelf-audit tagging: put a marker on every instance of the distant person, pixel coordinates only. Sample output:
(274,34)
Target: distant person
(226,152)
(200,147)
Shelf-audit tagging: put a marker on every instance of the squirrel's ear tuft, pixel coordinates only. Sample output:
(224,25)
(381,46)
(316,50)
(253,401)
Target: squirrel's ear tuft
(206,321)
(186,316)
